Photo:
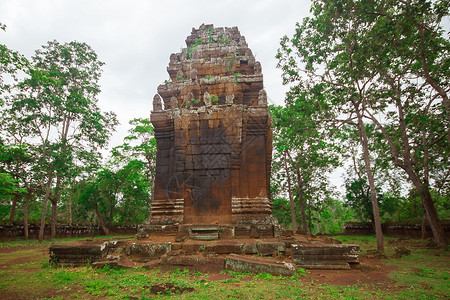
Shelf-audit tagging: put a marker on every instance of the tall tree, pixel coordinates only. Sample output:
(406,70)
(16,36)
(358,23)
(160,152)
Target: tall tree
(15,160)
(140,145)
(413,112)
(57,105)
(11,63)
(323,50)
(90,199)
(305,152)
(386,63)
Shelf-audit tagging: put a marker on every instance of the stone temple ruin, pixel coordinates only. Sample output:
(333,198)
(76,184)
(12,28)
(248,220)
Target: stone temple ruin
(214,141)
(211,208)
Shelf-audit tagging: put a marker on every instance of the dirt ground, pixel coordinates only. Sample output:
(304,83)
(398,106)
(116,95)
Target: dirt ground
(374,271)
(377,276)
(372,274)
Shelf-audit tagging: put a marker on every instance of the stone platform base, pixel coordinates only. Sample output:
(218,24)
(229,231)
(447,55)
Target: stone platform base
(278,256)
(211,232)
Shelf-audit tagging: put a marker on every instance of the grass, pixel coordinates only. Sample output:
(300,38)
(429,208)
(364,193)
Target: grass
(25,274)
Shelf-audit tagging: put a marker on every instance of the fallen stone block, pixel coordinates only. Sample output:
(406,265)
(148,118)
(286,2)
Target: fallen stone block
(325,256)
(365,267)
(321,249)
(227,247)
(148,250)
(323,265)
(242,231)
(242,263)
(116,247)
(270,248)
(112,264)
(226,233)
(250,247)
(193,246)
(77,254)
(193,263)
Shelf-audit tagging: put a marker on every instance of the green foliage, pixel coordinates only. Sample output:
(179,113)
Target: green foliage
(381,67)
(331,218)
(309,154)
(236,75)
(265,276)
(191,48)
(237,274)
(280,209)
(121,190)
(53,121)
(11,64)
(8,186)
(358,198)
(188,103)
(214,99)
(230,63)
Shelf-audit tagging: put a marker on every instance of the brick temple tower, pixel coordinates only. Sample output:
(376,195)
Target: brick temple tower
(214,141)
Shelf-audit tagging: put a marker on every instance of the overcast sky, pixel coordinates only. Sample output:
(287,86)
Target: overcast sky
(135,39)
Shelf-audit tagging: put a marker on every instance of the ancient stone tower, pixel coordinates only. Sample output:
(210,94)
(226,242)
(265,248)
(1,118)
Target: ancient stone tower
(214,141)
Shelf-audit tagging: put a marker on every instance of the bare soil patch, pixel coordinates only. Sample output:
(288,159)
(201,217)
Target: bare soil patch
(378,276)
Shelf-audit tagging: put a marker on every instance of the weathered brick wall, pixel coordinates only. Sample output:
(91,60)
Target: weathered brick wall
(213,133)
(11,231)
(400,229)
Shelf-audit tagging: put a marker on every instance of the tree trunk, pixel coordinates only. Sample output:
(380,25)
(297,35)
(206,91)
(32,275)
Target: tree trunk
(55,201)
(70,207)
(305,228)
(13,208)
(44,211)
(53,220)
(424,225)
(291,199)
(302,199)
(25,215)
(430,209)
(407,166)
(373,192)
(100,221)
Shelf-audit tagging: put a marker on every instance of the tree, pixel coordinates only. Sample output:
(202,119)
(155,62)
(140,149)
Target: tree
(140,145)
(337,81)
(15,162)
(8,186)
(303,148)
(90,200)
(11,63)
(415,81)
(57,106)
(363,59)
(117,196)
